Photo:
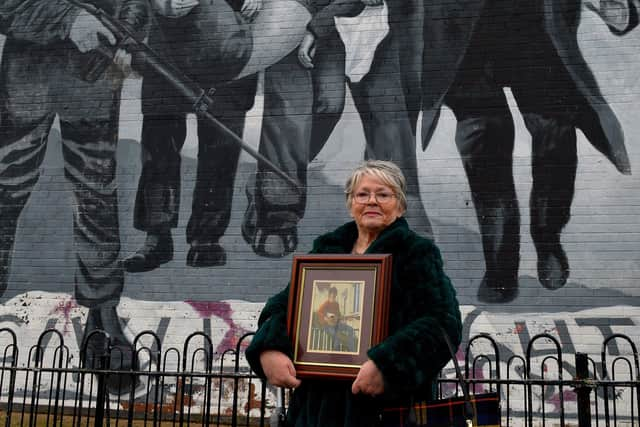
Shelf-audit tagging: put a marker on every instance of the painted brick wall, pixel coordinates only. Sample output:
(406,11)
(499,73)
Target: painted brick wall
(601,238)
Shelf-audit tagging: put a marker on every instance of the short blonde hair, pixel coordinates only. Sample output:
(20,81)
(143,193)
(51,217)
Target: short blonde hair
(387,172)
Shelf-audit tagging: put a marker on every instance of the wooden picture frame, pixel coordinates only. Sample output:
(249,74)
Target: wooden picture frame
(338,309)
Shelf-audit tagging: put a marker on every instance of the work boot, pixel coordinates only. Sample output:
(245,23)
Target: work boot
(7,238)
(206,255)
(274,234)
(157,250)
(6,250)
(112,346)
(553,265)
(495,290)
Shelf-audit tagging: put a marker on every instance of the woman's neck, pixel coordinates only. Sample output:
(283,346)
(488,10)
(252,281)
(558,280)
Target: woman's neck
(364,240)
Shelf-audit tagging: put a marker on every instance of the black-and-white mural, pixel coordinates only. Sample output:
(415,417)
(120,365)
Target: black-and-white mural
(124,208)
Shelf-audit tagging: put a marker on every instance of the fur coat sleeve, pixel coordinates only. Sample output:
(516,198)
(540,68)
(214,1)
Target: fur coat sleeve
(272,331)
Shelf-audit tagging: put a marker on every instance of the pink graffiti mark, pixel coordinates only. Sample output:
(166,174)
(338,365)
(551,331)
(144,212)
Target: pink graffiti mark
(223,310)
(567,395)
(64,308)
(518,329)
(477,372)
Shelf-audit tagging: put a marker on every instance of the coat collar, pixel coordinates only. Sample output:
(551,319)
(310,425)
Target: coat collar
(341,240)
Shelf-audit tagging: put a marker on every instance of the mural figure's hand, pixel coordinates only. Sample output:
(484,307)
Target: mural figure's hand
(85,32)
(369,380)
(122,59)
(615,13)
(250,9)
(372,2)
(307,50)
(279,369)
(174,8)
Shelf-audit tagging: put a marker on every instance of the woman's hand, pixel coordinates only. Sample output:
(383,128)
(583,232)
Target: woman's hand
(307,49)
(174,8)
(369,380)
(250,9)
(278,369)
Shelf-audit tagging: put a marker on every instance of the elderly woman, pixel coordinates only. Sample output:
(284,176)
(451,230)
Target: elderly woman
(400,369)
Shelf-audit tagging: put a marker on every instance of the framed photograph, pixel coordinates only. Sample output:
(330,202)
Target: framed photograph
(338,309)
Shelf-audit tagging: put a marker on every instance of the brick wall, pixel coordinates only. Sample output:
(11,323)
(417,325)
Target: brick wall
(601,238)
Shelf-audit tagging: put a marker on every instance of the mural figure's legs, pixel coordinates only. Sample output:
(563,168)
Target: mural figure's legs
(389,127)
(274,207)
(485,139)
(485,145)
(407,22)
(23,148)
(211,44)
(520,54)
(329,90)
(329,82)
(549,102)
(213,193)
(554,164)
(89,131)
(379,98)
(158,198)
(89,151)
(26,116)
(35,85)
(217,165)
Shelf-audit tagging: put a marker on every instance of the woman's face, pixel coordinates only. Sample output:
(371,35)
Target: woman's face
(376,213)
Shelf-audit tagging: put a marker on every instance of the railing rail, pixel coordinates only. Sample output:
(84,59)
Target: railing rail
(195,386)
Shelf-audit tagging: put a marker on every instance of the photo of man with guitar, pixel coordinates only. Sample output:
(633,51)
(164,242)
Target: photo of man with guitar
(332,330)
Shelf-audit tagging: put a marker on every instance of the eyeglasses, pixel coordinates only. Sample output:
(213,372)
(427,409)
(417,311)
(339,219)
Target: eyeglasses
(364,197)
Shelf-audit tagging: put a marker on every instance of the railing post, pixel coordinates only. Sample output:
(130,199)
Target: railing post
(583,390)
(101,396)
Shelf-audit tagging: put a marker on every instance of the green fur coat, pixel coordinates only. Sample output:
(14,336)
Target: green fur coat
(410,358)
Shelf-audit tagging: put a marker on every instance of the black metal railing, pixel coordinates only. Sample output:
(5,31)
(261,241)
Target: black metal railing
(196,386)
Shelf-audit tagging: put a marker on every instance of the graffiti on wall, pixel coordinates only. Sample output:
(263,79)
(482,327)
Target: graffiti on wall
(488,73)
(513,335)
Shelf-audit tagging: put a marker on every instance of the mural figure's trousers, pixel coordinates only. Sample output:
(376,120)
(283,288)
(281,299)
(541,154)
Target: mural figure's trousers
(284,139)
(485,138)
(36,83)
(210,45)
(407,23)
(379,99)
(158,199)
(385,112)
